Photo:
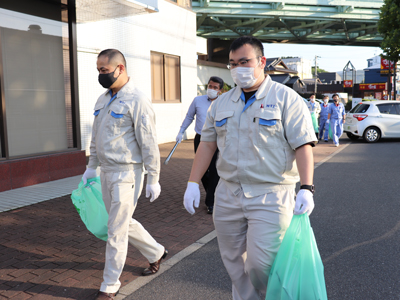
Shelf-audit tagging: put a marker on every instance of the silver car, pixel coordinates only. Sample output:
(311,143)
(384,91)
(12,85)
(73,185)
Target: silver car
(373,120)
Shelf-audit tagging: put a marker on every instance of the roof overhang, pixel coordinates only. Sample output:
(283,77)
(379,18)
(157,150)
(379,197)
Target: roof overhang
(99,10)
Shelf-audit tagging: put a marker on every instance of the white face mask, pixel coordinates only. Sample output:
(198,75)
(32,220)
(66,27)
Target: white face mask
(244,77)
(325,101)
(212,94)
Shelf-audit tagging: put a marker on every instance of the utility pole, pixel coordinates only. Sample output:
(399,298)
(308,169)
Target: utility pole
(389,81)
(316,75)
(394,80)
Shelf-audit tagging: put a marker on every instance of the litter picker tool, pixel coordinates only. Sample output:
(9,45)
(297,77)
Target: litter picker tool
(170,154)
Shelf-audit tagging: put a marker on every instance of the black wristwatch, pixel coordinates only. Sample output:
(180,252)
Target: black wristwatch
(311,188)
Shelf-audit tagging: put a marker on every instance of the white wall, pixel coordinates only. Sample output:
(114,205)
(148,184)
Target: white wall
(172,30)
(301,65)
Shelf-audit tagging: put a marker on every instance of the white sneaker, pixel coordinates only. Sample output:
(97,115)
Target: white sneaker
(336,145)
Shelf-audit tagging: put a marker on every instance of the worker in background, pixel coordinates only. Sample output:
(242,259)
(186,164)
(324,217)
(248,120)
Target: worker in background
(199,109)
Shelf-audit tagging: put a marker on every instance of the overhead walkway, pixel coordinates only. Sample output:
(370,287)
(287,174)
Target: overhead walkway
(330,22)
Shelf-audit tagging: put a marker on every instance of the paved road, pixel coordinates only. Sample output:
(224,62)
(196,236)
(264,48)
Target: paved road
(356,223)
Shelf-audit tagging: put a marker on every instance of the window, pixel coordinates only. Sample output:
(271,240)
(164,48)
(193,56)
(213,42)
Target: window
(389,109)
(36,105)
(165,77)
(359,108)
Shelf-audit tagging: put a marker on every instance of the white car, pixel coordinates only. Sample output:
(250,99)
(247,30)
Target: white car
(373,120)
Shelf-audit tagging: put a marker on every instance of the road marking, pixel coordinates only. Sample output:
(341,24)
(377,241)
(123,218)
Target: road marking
(382,237)
(139,282)
(330,156)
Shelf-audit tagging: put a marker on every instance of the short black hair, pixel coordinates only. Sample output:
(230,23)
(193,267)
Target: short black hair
(114,56)
(335,95)
(312,95)
(217,80)
(254,42)
(326,96)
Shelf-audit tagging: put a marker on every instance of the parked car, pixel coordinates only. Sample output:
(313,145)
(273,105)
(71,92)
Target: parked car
(373,120)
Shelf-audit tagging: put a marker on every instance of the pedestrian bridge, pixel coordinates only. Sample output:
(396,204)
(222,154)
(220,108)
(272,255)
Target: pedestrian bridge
(329,22)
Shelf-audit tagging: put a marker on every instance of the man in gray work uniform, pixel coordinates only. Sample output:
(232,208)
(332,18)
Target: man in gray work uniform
(123,140)
(265,136)
(199,109)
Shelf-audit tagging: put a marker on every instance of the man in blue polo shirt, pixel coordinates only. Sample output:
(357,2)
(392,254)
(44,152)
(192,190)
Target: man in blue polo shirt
(199,109)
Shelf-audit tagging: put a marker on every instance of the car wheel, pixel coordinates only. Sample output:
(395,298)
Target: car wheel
(372,135)
(352,136)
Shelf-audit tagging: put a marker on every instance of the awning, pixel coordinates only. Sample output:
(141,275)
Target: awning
(98,10)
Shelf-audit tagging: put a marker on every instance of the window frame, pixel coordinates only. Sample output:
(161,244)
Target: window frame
(164,87)
(73,68)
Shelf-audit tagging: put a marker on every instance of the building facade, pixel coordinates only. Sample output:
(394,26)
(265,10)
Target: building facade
(301,65)
(48,76)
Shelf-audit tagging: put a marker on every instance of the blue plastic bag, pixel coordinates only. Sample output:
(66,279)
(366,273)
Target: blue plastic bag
(297,272)
(89,203)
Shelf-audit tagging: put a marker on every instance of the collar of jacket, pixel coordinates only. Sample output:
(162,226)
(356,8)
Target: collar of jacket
(128,87)
(261,92)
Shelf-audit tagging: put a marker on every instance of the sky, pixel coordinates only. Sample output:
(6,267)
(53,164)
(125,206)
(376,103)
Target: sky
(332,58)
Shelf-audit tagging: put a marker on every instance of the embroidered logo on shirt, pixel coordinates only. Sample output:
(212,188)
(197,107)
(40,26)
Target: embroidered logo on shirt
(122,102)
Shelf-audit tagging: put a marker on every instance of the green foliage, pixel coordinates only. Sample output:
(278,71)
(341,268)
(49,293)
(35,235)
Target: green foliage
(389,27)
(348,105)
(226,87)
(318,70)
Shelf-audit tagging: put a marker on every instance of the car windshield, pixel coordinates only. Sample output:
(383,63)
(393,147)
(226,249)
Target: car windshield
(359,108)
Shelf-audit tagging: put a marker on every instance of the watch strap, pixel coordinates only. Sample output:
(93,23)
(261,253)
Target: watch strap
(311,188)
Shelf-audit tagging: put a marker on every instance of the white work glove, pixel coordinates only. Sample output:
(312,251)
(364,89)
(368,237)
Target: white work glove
(179,137)
(154,190)
(304,202)
(89,173)
(327,121)
(192,197)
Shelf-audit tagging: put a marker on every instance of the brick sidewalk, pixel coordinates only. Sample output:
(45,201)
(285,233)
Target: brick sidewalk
(47,253)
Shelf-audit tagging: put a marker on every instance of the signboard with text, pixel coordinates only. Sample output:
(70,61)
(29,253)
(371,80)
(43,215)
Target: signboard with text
(348,83)
(385,64)
(372,86)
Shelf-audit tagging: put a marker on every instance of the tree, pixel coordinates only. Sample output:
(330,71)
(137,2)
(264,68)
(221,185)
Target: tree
(318,70)
(389,28)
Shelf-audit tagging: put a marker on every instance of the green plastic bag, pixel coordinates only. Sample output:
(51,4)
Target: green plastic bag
(314,121)
(89,203)
(297,272)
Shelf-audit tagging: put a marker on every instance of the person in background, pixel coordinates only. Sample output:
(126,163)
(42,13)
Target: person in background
(264,133)
(336,118)
(199,109)
(314,109)
(323,126)
(123,139)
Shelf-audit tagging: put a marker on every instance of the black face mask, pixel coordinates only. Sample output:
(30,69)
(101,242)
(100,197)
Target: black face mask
(107,80)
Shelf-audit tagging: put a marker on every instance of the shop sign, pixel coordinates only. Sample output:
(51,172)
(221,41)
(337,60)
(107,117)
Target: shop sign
(372,86)
(385,64)
(348,83)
